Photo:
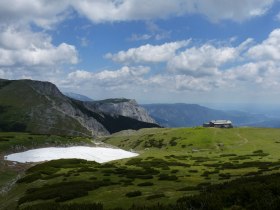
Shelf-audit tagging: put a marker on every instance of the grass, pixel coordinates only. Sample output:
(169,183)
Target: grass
(173,163)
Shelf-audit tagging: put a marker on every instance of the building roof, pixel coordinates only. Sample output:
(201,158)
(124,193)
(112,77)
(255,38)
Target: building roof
(220,122)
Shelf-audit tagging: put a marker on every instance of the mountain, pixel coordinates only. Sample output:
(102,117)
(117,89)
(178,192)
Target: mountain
(39,107)
(77,96)
(121,106)
(188,115)
(270,123)
(114,106)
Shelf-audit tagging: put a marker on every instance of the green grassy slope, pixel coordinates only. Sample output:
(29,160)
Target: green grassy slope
(24,109)
(39,107)
(172,163)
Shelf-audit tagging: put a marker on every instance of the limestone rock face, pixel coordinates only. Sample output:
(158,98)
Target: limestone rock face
(123,107)
(40,107)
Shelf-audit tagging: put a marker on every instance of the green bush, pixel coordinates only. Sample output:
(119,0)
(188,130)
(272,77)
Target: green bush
(30,178)
(144,184)
(62,191)
(167,177)
(133,194)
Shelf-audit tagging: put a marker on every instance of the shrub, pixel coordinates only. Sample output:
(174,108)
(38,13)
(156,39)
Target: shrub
(144,184)
(62,191)
(193,171)
(133,194)
(167,177)
(225,176)
(174,171)
(30,178)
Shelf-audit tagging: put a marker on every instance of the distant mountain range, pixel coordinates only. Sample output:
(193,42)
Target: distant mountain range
(188,115)
(77,96)
(39,107)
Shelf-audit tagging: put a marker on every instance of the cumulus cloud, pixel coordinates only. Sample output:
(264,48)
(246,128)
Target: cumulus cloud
(46,13)
(215,10)
(210,65)
(28,54)
(197,61)
(43,13)
(137,78)
(238,10)
(263,73)
(180,82)
(148,53)
(108,79)
(204,60)
(25,48)
(269,49)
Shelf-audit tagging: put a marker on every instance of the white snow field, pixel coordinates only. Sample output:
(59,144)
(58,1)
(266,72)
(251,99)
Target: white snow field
(98,154)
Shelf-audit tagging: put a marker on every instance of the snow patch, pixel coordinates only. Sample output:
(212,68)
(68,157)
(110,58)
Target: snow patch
(97,154)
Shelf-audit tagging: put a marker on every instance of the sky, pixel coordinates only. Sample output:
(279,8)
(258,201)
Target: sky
(154,51)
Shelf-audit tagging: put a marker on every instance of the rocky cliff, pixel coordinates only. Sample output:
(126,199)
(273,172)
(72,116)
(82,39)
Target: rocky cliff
(123,107)
(35,106)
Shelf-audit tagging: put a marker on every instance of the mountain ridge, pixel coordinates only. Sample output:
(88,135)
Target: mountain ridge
(38,106)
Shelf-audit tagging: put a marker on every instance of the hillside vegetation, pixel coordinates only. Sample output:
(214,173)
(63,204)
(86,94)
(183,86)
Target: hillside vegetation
(173,165)
(39,107)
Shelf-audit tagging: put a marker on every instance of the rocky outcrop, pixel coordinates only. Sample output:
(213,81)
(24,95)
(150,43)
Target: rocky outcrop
(40,107)
(123,107)
(45,88)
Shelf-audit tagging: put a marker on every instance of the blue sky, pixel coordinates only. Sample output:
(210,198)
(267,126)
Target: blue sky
(160,51)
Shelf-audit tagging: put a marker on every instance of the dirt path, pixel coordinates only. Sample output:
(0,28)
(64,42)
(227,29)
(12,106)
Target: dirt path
(245,140)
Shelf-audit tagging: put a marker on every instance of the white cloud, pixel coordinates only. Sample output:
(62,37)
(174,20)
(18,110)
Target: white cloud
(210,66)
(265,74)
(180,82)
(238,10)
(249,72)
(269,49)
(129,79)
(207,59)
(183,82)
(148,53)
(215,10)
(197,70)
(27,54)
(21,47)
(108,79)
(204,60)
(47,13)
(43,13)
